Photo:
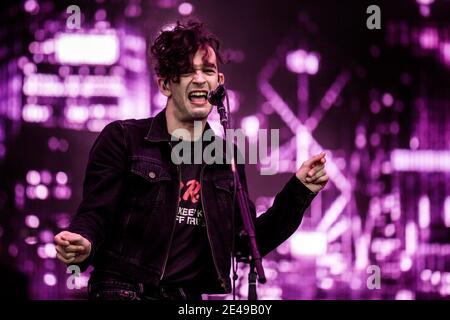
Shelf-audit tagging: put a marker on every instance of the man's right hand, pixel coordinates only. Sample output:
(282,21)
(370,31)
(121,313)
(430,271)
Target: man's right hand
(71,247)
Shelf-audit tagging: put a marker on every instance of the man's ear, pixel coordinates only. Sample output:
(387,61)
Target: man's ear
(221,78)
(164,87)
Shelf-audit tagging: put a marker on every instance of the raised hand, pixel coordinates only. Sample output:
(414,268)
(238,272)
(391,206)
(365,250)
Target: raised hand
(312,173)
(71,247)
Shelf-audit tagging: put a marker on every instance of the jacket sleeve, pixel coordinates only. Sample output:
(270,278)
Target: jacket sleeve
(280,221)
(102,187)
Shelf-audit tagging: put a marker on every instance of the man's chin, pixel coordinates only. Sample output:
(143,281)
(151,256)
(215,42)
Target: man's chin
(200,113)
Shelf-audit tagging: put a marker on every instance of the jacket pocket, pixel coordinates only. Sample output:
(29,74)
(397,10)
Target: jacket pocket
(224,188)
(225,184)
(149,169)
(147,192)
(148,178)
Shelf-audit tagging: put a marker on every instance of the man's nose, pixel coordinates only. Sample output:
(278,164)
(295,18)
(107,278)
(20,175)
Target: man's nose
(199,77)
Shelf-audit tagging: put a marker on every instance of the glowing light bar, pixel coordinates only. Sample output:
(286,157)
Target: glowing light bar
(425,2)
(405,263)
(429,38)
(61,177)
(361,252)
(50,250)
(280,106)
(445,52)
(250,125)
(303,141)
(300,61)
(46,177)
(384,246)
(62,220)
(46,236)
(41,192)
(134,64)
(33,177)
(185,8)
(50,279)
(62,192)
(424,212)
(81,48)
(38,84)
(234,98)
(387,99)
(30,240)
(32,221)
(311,243)
(87,86)
(36,113)
(447,212)
(338,229)
(31,6)
(96,125)
(328,99)
(404,294)
(41,252)
(134,43)
(420,160)
(411,238)
(47,85)
(77,114)
(332,213)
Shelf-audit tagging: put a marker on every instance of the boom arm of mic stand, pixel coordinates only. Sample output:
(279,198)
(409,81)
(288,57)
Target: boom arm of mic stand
(243,205)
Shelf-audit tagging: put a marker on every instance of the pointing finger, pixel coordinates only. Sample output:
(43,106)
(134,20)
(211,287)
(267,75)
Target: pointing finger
(60,241)
(73,238)
(314,159)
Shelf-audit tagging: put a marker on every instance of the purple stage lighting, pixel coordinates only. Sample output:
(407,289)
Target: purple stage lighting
(300,61)
(185,8)
(85,48)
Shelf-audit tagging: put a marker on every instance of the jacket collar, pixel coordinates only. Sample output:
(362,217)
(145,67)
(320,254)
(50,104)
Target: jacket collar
(158,132)
(158,128)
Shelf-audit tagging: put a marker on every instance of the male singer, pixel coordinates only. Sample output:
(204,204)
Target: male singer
(157,230)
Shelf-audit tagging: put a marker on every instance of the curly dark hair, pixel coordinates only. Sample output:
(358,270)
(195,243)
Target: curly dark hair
(173,51)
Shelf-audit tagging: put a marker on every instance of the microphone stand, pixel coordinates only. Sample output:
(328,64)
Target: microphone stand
(255,257)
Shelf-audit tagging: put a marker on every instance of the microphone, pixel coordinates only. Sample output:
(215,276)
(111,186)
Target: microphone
(216,96)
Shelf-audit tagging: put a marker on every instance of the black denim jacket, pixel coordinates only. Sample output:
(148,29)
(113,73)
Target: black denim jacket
(130,199)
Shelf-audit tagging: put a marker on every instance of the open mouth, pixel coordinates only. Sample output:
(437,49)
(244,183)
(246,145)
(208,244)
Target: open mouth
(198,96)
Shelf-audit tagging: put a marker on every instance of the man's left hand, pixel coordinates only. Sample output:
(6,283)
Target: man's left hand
(312,173)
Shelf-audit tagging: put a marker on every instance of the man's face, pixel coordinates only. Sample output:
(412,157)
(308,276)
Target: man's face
(188,98)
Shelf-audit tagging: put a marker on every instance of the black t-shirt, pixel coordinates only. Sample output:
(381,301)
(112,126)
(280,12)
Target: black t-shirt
(189,255)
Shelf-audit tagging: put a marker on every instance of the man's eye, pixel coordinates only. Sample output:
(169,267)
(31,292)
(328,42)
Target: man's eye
(210,71)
